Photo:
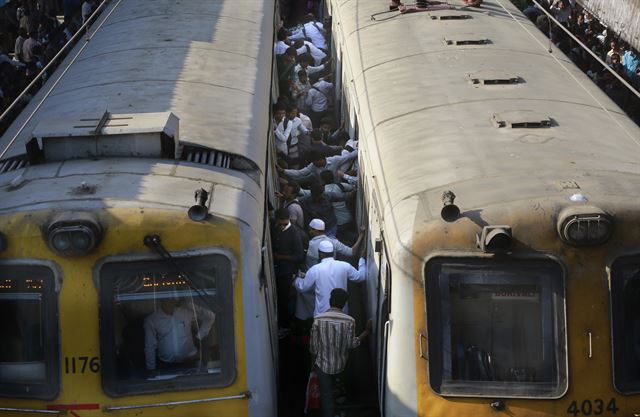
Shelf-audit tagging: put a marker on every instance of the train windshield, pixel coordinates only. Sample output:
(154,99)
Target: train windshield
(163,330)
(28,332)
(496,329)
(625,307)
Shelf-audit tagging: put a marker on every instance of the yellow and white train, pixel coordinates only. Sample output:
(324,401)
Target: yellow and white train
(523,301)
(119,293)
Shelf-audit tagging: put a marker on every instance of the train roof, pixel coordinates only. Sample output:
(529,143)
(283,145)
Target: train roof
(209,63)
(430,118)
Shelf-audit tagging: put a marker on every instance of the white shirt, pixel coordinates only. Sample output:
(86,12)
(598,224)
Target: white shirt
(333,164)
(312,252)
(169,336)
(297,130)
(340,209)
(282,135)
(326,276)
(315,32)
(314,51)
(317,99)
(281,47)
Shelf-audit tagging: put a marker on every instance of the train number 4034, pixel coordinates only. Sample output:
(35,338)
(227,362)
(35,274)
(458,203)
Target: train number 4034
(81,364)
(592,407)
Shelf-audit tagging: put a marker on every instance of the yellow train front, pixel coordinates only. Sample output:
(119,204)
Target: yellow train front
(518,297)
(133,279)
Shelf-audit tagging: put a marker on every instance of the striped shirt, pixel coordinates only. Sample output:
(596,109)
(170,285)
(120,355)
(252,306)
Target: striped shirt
(332,335)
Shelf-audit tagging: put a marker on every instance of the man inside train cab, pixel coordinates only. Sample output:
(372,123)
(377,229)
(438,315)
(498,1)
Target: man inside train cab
(169,336)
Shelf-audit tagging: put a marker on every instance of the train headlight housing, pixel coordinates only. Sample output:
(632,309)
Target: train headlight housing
(581,226)
(73,234)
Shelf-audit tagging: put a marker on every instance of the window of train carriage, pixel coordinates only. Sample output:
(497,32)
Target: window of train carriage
(625,309)
(158,333)
(29,346)
(496,328)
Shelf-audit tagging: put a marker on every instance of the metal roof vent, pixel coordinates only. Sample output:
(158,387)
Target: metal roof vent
(521,119)
(450,16)
(212,157)
(466,39)
(493,77)
(13,164)
(143,135)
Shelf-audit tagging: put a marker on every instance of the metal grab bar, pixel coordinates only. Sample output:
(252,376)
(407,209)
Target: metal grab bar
(32,411)
(243,395)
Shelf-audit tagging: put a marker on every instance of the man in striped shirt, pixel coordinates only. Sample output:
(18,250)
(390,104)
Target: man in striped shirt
(332,336)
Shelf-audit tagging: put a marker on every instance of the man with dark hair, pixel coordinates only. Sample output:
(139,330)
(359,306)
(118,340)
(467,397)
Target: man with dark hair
(288,252)
(332,336)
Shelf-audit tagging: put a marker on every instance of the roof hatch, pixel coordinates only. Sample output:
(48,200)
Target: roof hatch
(466,39)
(493,77)
(145,135)
(521,119)
(449,16)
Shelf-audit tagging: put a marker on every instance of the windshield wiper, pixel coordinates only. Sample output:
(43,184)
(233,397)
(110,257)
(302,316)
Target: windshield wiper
(155,243)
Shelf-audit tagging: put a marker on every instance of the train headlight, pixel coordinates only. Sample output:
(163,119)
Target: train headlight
(73,234)
(580,226)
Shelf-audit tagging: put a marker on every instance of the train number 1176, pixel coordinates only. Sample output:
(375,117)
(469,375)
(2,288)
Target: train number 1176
(81,364)
(592,407)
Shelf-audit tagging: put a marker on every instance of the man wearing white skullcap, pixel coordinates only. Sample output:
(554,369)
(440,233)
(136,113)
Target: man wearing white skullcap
(328,275)
(317,233)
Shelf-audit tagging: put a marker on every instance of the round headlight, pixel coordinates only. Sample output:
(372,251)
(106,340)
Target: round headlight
(585,226)
(73,234)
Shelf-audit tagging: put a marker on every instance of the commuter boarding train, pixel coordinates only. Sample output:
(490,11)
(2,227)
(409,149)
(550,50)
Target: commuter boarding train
(133,188)
(501,188)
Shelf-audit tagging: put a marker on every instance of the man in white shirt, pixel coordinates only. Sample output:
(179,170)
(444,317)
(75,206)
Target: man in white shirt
(328,275)
(283,127)
(168,340)
(318,100)
(320,163)
(312,30)
(306,47)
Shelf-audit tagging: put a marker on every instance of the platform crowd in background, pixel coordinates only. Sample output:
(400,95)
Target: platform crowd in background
(32,32)
(617,54)
(316,242)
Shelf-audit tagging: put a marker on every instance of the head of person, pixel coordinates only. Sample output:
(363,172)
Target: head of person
(169,305)
(302,76)
(338,298)
(292,112)
(23,33)
(613,45)
(305,60)
(291,190)
(282,218)
(282,34)
(279,111)
(615,58)
(299,43)
(316,227)
(319,160)
(316,191)
(290,54)
(326,123)
(316,135)
(325,249)
(327,177)
(309,17)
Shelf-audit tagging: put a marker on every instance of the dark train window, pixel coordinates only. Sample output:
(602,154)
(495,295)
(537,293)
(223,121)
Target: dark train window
(496,328)
(625,308)
(29,347)
(162,331)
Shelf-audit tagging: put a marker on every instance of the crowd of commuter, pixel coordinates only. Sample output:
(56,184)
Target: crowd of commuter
(32,32)
(617,54)
(316,243)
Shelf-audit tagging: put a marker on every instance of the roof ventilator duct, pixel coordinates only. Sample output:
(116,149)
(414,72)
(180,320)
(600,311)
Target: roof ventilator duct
(142,135)
(523,119)
(212,157)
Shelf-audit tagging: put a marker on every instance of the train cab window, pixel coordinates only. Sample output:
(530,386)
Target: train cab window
(29,347)
(625,308)
(496,329)
(162,331)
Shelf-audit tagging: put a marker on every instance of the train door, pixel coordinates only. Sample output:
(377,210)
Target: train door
(383,322)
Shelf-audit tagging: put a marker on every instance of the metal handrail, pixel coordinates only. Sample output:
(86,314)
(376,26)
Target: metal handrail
(243,395)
